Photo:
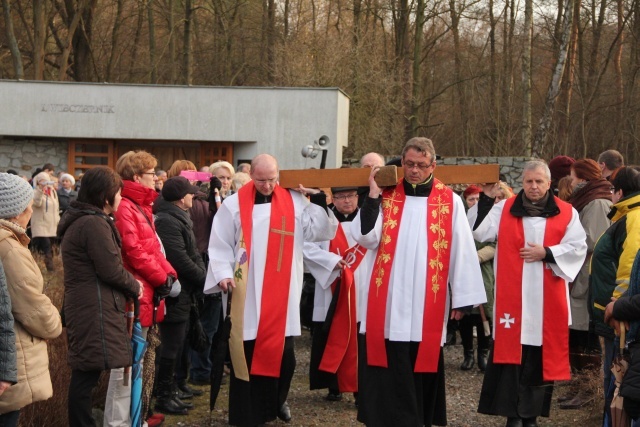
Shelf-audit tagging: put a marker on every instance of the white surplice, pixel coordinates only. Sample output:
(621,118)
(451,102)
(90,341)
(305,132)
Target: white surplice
(569,256)
(321,264)
(407,282)
(312,224)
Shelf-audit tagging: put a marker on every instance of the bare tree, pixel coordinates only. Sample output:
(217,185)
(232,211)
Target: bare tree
(16,56)
(544,125)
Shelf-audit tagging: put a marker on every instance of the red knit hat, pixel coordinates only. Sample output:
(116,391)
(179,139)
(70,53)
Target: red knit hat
(560,166)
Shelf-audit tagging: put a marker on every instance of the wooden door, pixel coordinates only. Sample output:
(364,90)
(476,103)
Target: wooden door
(85,154)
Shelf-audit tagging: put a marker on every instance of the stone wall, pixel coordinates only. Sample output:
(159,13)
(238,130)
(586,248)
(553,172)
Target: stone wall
(510,167)
(25,155)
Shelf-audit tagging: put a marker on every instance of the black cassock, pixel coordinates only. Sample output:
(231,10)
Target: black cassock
(516,390)
(397,396)
(258,400)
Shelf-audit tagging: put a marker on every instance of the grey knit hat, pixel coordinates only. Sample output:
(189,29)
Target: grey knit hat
(15,195)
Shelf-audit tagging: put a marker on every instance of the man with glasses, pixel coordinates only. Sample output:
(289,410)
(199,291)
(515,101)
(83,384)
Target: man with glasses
(423,245)
(336,300)
(255,258)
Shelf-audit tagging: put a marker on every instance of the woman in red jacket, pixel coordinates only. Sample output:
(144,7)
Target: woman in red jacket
(142,256)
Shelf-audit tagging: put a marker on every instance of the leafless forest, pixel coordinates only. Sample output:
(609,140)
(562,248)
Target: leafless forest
(480,77)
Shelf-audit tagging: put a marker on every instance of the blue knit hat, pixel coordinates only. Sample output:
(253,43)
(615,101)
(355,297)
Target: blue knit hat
(15,195)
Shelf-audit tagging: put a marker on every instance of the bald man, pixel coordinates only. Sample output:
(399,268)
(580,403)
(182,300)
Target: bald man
(369,160)
(255,253)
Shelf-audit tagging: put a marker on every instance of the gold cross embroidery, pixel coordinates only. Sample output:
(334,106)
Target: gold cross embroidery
(282,233)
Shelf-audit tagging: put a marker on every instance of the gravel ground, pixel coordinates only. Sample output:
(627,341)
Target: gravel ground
(309,408)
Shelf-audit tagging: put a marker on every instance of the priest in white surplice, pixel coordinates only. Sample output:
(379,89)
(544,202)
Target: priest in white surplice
(541,247)
(255,250)
(425,263)
(334,350)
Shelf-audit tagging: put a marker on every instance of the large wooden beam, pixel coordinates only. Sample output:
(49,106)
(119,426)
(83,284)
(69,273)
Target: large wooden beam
(387,176)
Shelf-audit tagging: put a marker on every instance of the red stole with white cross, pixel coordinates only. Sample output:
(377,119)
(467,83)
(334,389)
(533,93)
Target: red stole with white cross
(439,231)
(340,355)
(277,276)
(508,304)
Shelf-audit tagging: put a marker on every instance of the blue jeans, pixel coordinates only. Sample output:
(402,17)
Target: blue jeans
(210,317)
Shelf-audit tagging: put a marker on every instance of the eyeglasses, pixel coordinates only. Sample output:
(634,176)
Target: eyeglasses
(265,181)
(345,197)
(148,173)
(421,166)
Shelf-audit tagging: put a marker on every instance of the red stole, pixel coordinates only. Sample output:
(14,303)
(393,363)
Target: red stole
(277,276)
(439,231)
(341,352)
(508,305)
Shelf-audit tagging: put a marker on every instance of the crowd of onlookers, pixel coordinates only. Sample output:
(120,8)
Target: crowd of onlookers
(136,239)
(124,235)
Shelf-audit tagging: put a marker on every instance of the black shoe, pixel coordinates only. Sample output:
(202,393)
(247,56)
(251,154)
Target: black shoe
(468,362)
(284,413)
(333,397)
(196,381)
(577,402)
(182,395)
(514,422)
(529,422)
(185,405)
(451,339)
(168,405)
(184,387)
(483,356)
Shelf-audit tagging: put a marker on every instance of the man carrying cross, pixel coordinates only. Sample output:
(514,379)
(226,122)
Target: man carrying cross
(255,253)
(339,267)
(541,247)
(423,265)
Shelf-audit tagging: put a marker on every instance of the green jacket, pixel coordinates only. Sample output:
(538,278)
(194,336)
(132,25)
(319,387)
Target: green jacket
(612,259)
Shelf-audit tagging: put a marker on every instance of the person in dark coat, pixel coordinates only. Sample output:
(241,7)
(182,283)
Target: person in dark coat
(210,306)
(625,312)
(8,368)
(66,193)
(175,228)
(96,286)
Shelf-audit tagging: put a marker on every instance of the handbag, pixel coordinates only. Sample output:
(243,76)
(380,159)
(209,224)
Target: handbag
(198,339)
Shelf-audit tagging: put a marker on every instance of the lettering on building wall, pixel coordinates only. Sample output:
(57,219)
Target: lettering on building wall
(79,108)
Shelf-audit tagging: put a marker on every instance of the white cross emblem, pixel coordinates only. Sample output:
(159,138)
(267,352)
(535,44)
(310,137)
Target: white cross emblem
(507,320)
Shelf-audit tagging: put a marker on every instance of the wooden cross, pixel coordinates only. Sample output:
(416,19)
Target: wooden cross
(283,232)
(387,176)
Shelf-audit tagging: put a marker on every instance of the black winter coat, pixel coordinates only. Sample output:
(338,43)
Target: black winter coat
(96,286)
(65,199)
(175,228)
(628,308)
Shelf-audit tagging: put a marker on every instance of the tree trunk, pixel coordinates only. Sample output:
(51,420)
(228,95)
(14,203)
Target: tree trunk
(16,56)
(526,78)
(39,38)
(142,6)
(153,61)
(172,43)
(546,120)
(186,49)
(73,26)
(619,136)
(115,42)
(567,82)
(416,93)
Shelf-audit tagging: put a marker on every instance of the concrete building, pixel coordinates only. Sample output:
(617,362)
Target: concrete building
(78,125)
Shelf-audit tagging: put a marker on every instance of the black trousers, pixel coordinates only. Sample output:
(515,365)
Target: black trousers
(10,419)
(79,403)
(466,332)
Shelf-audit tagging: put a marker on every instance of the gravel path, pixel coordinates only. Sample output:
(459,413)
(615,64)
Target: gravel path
(310,409)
